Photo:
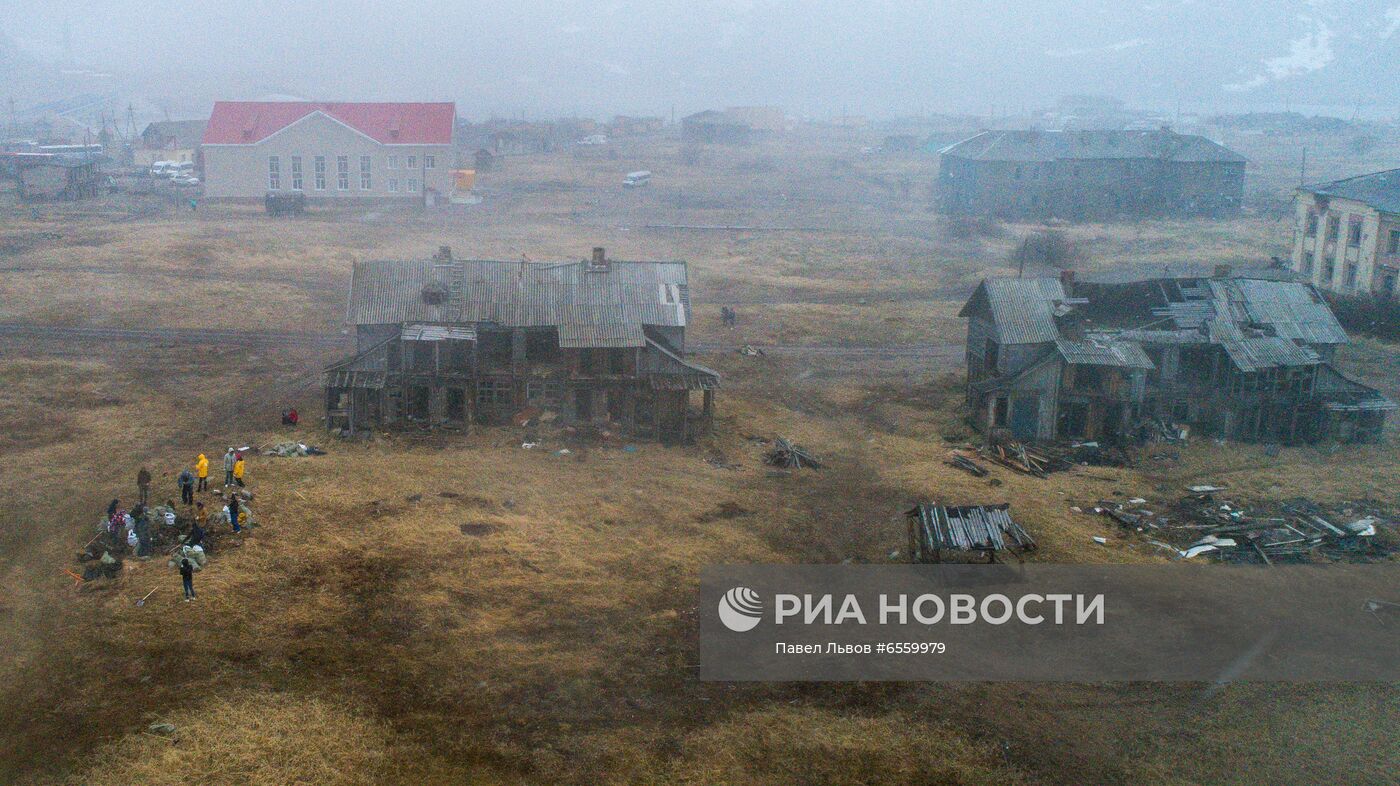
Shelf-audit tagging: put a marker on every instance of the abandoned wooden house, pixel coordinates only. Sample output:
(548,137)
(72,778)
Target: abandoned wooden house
(1240,358)
(1089,175)
(446,342)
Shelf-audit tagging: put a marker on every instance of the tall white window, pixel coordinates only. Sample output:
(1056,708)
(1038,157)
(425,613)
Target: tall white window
(393,185)
(412,185)
(342,172)
(296,173)
(430,162)
(413,162)
(392,162)
(319,165)
(274,173)
(365,183)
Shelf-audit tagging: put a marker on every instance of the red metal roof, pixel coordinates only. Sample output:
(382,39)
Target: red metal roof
(248,122)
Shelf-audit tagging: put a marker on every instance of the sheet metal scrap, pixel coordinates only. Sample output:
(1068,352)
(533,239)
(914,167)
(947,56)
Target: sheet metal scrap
(789,455)
(1016,456)
(935,528)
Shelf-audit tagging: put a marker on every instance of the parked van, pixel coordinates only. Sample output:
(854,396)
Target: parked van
(162,168)
(636,179)
(180,169)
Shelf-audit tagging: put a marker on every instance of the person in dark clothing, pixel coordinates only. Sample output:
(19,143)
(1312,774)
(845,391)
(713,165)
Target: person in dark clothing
(112,508)
(186,481)
(187,577)
(233,512)
(143,534)
(143,485)
(196,536)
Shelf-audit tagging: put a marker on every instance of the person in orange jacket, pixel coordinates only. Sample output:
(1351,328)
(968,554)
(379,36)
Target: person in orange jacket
(201,471)
(238,469)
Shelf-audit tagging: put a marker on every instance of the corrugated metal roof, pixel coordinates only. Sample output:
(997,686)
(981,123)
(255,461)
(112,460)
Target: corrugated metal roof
(609,335)
(1023,309)
(968,528)
(1090,145)
(1293,309)
(1103,351)
(417,332)
(515,294)
(1254,354)
(669,371)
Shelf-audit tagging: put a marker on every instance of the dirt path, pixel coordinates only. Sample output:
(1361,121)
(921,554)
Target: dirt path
(273,338)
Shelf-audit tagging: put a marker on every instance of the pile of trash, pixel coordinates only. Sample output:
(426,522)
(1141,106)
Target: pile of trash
(1203,523)
(289,449)
(789,456)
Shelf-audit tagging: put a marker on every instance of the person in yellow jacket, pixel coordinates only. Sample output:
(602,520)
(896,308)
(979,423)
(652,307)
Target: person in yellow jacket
(201,471)
(238,467)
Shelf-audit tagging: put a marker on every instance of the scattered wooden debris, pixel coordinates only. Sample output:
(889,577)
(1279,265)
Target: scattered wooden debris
(789,455)
(956,459)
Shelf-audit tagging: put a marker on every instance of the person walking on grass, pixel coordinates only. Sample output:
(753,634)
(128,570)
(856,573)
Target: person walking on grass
(229,460)
(238,469)
(201,470)
(143,485)
(186,481)
(233,511)
(187,578)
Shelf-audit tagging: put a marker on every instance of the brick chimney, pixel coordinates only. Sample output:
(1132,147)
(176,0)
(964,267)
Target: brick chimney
(599,262)
(1222,271)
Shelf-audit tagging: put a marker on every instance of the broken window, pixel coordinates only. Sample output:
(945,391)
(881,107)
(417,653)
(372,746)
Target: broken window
(619,360)
(494,394)
(1393,245)
(1311,226)
(999,410)
(1351,275)
(456,404)
(1334,227)
(1354,233)
(546,393)
(1308,262)
(992,355)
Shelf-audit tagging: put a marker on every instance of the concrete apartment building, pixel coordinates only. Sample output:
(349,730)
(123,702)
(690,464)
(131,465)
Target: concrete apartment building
(1090,175)
(1346,235)
(329,151)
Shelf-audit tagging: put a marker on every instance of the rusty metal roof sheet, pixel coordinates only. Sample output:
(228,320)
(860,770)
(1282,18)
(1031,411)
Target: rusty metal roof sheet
(419,332)
(1255,354)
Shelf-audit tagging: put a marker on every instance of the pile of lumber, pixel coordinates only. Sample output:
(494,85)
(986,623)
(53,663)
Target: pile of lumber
(786,454)
(966,464)
(1015,455)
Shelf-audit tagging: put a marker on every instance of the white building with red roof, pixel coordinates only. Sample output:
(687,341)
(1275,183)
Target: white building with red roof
(329,151)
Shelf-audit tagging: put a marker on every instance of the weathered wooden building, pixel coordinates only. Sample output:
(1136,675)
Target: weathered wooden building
(1089,175)
(446,342)
(1246,359)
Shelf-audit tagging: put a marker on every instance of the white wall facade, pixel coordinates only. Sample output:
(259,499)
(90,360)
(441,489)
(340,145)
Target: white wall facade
(1339,261)
(244,172)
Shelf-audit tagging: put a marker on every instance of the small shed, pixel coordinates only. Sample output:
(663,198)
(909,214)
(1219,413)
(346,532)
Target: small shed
(934,529)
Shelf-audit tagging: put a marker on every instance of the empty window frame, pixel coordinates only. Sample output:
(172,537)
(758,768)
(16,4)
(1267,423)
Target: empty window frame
(1354,233)
(1393,245)
(342,173)
(491,394)
(1310,228)
(274,173)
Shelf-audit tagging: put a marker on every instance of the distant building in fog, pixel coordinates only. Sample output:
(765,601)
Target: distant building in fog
(1346,235)
(1090,175)
(329,151)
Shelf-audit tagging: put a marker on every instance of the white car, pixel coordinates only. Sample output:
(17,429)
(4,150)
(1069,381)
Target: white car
(184,180)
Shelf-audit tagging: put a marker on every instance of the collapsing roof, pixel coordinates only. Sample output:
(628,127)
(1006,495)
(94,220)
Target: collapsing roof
(1043,146)
(935,528)
(1380,190)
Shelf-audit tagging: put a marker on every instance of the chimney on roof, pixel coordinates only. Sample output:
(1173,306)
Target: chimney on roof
(599,262)
(1222,271)
(443,255)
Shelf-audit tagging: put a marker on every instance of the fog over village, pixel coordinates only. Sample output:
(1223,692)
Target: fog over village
(509,393)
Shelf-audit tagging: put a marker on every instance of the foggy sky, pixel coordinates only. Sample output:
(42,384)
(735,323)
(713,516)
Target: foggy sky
(816,57)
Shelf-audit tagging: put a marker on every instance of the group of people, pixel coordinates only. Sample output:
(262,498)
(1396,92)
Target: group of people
(132,529)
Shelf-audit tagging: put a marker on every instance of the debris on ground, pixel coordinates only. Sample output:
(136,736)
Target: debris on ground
(962,462)
(750,350)
(1016,456)
(935,528)
(1203,524)
(289,449)
(789,455)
